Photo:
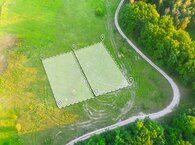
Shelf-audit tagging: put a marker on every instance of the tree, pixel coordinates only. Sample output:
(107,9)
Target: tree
(99,11)
(172,135)
(146,132)
(134,16)
(182,142)
(186,56)
(185,124)
(96,140)
(157,41)
(166,22)
(182,11)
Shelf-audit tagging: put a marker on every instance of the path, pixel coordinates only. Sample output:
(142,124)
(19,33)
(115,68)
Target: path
(174,103)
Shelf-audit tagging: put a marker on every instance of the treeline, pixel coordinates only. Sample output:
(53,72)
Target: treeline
(182,11)
(180,131)
(156,33)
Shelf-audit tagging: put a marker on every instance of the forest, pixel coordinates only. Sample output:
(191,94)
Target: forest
(159,27)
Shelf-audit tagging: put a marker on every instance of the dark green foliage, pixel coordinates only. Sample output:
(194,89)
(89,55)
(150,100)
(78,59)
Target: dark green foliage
(172,48)
(182,128)
(99,11)
(96,140)
(185,124)
(134,17)
(193,87)
(147,132)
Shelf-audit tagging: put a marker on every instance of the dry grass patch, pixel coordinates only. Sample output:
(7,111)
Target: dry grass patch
(31,113)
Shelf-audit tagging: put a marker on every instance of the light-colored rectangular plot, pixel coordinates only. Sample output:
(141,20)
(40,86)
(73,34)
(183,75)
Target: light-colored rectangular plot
(100,69)
(66,80)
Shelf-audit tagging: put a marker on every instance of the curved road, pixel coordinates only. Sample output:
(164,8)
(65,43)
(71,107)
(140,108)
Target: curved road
(165,111)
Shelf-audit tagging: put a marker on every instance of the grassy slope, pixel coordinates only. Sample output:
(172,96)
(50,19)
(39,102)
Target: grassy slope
(47,28)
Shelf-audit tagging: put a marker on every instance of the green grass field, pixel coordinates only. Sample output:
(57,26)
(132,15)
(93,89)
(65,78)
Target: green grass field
(48,28)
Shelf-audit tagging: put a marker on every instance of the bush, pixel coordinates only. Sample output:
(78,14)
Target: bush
(48,141)
(99,11)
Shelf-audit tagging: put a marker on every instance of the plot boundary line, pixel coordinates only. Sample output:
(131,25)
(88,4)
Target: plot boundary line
(72,51)
(48,80)
(117,65)
(76,102)
(82,71)
(119,68)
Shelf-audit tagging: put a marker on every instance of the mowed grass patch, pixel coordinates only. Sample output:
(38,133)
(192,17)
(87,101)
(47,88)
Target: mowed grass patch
(53,28)
(67,81)
(101,71)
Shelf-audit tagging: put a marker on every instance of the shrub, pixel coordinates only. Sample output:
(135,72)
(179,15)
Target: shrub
(48,141)
(99,11)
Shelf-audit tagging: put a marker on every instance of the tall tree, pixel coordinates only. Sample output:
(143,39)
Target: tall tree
(135,16)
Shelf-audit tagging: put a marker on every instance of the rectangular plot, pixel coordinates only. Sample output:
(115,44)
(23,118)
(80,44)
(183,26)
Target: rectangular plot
(66,80)
(100,69)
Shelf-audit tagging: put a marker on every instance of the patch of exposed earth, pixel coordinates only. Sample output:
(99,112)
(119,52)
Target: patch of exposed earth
(7,41)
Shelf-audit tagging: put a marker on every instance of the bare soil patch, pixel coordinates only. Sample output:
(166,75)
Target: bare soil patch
(7,41)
